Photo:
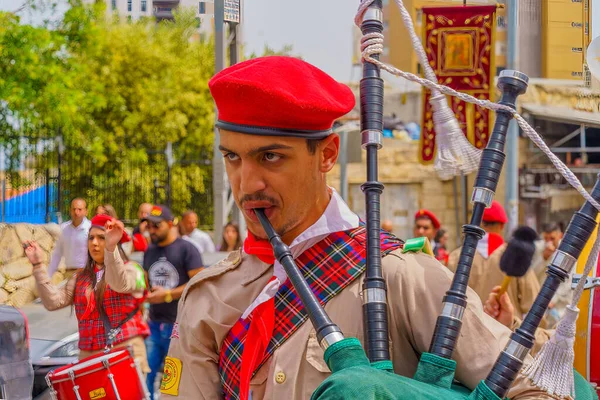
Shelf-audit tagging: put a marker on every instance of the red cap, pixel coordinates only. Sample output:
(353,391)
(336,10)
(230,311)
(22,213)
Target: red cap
(495,213)
(279,96)
(100,221)
(428,214)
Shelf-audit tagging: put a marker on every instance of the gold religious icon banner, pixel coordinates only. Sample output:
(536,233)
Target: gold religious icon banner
(460,45)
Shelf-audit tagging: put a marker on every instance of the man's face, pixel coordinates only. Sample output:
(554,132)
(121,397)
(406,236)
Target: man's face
(553,237)
(190,222)
(280,175)
(424,227)
(78,211)
(144,210)
(159,232)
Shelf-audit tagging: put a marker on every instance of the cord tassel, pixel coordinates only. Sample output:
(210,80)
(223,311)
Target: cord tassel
(552,368)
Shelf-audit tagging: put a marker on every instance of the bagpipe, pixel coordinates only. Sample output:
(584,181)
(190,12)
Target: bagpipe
(358,374)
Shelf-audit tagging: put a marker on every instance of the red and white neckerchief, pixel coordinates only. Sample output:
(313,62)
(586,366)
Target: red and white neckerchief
(337,218)
(488,244)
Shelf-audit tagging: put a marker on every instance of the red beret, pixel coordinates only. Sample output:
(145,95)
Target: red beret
(495,213)
(428,214)
(100,221)
(279,96)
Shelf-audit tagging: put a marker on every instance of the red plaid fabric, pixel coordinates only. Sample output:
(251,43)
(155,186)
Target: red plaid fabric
(328,267)
(117,305)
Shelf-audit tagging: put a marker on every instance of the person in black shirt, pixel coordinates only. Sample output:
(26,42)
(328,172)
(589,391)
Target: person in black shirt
(169,262)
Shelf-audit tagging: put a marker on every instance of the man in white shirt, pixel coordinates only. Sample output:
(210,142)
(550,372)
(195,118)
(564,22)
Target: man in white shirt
(190,232)
(72,244)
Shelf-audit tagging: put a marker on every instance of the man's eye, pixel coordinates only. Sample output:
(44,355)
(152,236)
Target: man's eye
(232,156)
(272,157)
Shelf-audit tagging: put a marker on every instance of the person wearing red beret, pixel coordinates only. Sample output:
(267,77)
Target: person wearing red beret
(427,225)
(241,330)
(106,294)
(486,272)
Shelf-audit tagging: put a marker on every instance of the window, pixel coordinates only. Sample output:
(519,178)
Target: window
(501,22)
(114,4)
(143,5)
(129,6)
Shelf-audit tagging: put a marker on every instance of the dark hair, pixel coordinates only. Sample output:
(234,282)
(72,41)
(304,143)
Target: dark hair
(550,227)
(312,145)
(440,233)
(238,242)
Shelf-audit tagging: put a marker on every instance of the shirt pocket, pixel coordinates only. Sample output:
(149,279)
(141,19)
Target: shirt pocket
(260,377)
(315,354)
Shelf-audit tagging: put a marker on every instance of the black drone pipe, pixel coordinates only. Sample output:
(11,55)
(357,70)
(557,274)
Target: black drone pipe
(328,333)
(371,124)
(447,328)
(578,232)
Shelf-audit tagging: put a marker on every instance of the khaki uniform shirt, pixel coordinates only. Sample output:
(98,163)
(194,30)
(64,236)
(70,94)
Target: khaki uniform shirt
(486,274)
(216,297)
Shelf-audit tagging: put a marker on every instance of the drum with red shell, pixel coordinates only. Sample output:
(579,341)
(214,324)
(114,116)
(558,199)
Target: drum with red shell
(107,376)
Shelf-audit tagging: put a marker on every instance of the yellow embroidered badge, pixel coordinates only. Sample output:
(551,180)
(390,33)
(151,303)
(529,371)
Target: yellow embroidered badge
(171,376)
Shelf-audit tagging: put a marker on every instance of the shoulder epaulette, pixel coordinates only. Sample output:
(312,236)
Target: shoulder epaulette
(418,245)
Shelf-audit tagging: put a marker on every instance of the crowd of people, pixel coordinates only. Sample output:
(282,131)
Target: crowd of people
(107,290)
(486,273)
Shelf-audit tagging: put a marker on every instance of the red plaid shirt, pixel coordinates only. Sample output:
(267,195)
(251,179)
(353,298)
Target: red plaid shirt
(92,335)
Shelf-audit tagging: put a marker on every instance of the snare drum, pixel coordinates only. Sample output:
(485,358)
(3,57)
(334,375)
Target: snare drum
(111,376)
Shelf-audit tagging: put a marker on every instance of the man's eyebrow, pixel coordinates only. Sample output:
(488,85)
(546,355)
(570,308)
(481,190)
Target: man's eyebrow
(262,149)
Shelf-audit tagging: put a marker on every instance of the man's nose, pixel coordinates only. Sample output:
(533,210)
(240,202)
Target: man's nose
(252,180)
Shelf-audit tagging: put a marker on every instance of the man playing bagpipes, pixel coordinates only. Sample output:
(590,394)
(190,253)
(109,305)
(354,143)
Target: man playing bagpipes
(242,331)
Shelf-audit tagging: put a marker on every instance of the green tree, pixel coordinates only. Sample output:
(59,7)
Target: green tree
(150,82)
(115,93)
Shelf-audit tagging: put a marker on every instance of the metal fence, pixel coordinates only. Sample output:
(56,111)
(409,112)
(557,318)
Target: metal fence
(39,177)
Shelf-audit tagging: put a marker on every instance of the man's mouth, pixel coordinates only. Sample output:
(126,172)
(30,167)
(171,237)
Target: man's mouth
(250,206)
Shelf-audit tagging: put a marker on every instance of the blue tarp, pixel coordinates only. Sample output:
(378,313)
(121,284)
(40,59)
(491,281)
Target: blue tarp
(30,207)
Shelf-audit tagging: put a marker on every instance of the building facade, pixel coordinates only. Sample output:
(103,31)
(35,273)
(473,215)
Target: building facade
(553,35)
(161,10)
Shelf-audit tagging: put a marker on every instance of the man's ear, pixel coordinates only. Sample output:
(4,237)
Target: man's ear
(329,150)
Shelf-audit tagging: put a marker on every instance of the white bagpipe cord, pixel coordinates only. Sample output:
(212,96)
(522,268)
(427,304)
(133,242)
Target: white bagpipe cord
(455,155)
(552,368)
(372,43)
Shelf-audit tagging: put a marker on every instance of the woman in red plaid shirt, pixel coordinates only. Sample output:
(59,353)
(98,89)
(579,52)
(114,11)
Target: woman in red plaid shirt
(109,276)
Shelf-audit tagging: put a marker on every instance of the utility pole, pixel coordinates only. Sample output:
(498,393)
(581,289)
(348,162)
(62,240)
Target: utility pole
(512,142)
(225,12)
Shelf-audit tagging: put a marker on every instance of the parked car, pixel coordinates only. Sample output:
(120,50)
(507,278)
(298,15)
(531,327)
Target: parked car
(54,341)
(16,373)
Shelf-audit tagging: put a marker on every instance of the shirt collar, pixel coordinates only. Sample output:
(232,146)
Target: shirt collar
(85,224)
(337,218)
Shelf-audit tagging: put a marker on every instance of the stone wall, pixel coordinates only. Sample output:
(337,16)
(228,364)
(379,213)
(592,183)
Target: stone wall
(17,285)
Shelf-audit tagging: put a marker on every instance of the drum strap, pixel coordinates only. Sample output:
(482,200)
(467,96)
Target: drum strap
(110,332)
